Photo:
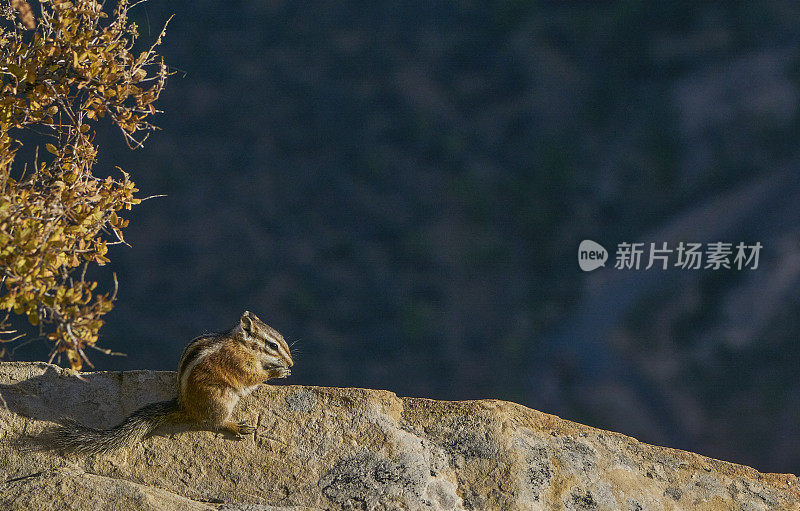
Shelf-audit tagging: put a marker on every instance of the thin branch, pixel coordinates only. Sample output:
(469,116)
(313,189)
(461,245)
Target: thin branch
(108,351)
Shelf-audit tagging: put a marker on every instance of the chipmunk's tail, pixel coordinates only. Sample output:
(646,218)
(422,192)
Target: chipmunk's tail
(72,436)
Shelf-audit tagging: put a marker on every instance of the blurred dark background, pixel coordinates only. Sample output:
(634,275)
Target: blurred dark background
(401,188)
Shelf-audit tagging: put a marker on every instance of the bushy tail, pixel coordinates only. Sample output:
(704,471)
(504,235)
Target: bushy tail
(72,436)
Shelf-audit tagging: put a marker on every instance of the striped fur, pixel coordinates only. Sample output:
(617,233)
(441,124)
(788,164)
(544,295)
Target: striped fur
(264,339)
(195,353)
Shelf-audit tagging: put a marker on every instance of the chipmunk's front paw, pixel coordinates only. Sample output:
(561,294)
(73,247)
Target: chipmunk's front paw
(276,371)
(279,372)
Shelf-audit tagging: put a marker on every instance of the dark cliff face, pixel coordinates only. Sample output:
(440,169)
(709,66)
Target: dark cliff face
(402,190)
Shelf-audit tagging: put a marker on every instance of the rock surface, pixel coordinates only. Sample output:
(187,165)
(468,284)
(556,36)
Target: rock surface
(328,448)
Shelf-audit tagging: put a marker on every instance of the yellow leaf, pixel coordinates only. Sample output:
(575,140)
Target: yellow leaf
(16,71)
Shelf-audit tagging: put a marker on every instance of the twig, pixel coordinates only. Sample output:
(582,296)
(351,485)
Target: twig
(108,351)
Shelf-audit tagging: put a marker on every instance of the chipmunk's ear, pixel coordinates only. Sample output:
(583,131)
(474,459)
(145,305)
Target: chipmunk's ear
(246,322)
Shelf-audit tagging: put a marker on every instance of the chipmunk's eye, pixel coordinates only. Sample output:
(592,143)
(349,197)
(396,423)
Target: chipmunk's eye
(272,345)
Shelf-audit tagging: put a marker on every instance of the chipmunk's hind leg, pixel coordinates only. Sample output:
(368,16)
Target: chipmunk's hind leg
(219,414)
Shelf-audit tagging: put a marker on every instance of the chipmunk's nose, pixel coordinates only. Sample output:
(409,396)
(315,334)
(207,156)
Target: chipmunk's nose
(289,361)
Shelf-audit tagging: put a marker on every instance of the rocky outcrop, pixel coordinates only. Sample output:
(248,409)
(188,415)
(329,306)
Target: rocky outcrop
(330,448)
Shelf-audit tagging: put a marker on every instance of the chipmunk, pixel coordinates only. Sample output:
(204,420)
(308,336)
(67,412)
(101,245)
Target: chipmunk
(214,372)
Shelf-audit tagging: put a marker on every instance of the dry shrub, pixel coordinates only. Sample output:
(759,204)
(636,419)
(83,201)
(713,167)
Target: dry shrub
(57,217)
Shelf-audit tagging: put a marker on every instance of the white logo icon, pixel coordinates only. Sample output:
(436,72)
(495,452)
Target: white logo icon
(591,255)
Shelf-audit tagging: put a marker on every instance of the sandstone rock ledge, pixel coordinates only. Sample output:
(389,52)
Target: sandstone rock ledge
(329,448)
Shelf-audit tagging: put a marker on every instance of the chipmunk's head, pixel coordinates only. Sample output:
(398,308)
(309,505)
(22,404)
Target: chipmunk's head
(265,339)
